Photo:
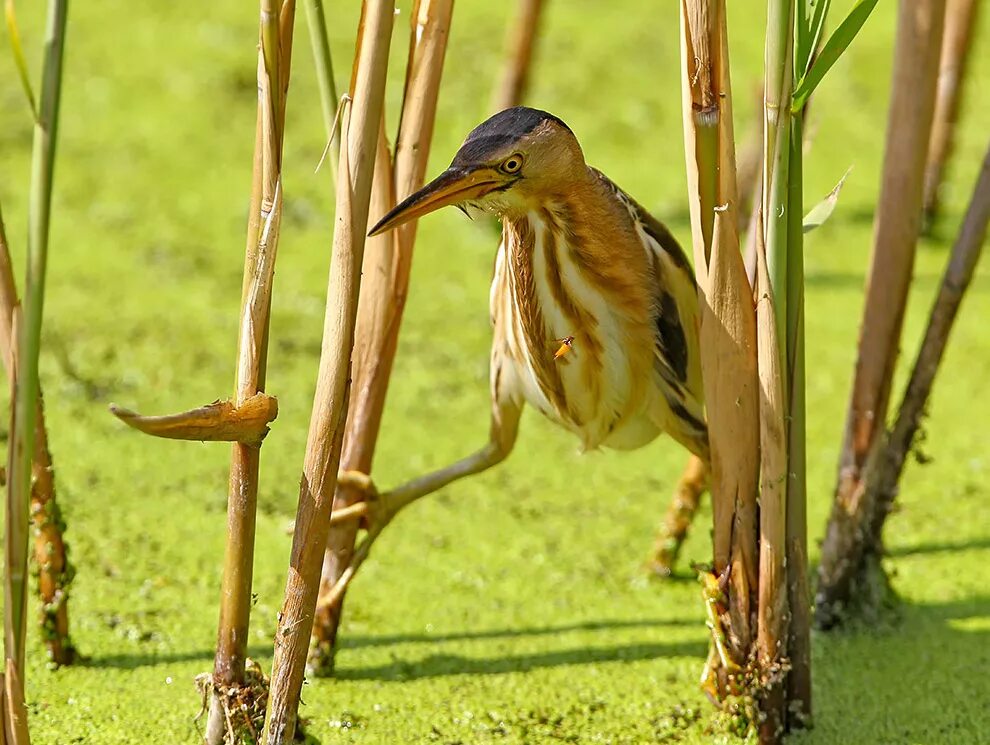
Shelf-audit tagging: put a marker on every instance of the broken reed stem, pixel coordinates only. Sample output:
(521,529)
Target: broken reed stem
(50,551)
(728,323)
(960,20)
(27,333)
(384,285)
(520,44)
(274,60)
(916,58)
(360,134)
(885,472)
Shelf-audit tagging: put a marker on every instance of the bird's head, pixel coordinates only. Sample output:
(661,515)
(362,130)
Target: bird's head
(507,165)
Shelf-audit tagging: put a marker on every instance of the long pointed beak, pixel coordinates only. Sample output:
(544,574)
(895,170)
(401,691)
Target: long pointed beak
(454,185)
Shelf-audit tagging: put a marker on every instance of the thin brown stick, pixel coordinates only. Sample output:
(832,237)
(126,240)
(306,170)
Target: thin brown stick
(885,471)
(960,20)
(358,150)
(385,281)
(909,123)
(520,45)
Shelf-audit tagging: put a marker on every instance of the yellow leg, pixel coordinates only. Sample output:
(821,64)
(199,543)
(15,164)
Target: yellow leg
(692,484)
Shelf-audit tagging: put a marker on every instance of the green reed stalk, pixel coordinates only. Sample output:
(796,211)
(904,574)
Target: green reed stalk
(29,336)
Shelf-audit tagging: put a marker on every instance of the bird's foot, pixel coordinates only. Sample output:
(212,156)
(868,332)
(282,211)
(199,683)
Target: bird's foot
(370,509)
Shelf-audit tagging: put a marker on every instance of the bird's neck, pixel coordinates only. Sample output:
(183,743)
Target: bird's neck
(572,266)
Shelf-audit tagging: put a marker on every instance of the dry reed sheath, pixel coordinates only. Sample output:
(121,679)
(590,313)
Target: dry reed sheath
(520,47)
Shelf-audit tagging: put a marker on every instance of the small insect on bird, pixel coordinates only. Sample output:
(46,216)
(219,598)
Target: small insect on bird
(583,267)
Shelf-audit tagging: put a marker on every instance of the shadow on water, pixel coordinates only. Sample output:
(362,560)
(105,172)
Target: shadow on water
(939,547)
(131,661)
(918,678)
(921,679)
(439,665)
(351,642)
(128,661)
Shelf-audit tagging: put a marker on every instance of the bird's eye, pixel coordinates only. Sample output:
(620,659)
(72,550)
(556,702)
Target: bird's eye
(511,164)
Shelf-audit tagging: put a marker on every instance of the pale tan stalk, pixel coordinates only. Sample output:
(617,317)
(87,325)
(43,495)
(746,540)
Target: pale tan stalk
(960,20)
(772,608)
(358,152)
(385,280)
(916,59)
(520,45)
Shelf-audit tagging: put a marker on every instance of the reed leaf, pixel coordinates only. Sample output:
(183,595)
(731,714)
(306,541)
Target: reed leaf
(837,43)
(818,214)
(17,50)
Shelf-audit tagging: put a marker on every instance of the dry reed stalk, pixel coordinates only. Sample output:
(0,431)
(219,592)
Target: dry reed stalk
(842,574)
(50,551)
(885,468)
(520,44)
(358,153)
(728,335)
(960,20)
(384,285)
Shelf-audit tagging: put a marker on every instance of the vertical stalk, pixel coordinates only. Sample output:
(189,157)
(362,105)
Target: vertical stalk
(385,281)
(26,388)
(316,21)
(520,42)
(885,471)
(776,154)
(960,19)
(849,568)
(50,551)
(798,590)
(360,135)
(772,605)
(275,29)
(320,44)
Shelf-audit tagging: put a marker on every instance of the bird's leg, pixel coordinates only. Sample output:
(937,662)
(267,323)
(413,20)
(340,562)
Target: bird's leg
(377,509)
(713,593)
(680,514)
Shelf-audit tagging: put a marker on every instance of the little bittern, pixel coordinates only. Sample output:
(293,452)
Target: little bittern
(594,307)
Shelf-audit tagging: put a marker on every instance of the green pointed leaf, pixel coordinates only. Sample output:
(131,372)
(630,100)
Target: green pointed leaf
(810,23)
(818,214)
(831,52)
(19,61)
